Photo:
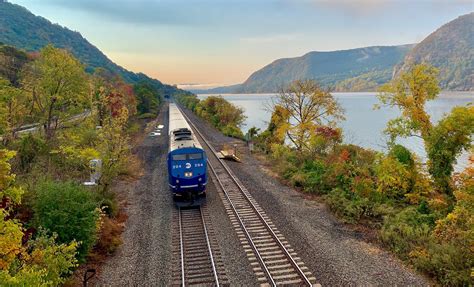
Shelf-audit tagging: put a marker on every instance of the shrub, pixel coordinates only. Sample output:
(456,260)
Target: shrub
(232,131)
(109,238)
(147,116)
(402,154)
(405,231)
(70,211)
(314,171)
(30,147)
(393,178)
(349,207)
(44,263)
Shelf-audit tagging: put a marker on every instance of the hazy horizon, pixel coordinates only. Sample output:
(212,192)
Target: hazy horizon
(212,43)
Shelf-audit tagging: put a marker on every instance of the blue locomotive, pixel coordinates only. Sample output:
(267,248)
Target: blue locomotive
(187,161)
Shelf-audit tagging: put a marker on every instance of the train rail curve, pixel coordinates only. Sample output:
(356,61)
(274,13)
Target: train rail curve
(273,259)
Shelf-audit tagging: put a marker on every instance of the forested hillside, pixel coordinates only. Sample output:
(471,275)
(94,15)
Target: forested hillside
(354,69)
(22,29)
(451,50)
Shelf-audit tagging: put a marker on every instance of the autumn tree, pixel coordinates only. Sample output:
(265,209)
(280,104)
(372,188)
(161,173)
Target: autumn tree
(40,262)
(14,109)
(58,87)
(443,141)
(12,61)
(307,106)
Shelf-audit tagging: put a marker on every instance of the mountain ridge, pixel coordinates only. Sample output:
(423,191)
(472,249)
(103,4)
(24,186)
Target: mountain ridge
(24,30)
(450,48)
(328,67)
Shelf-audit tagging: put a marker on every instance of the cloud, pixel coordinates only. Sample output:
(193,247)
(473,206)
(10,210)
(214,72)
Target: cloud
(361,8)
(147,12)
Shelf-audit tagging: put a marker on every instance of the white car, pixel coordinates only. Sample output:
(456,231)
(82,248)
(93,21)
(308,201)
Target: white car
(154,134)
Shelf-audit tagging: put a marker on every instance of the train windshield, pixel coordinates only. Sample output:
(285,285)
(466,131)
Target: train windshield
(189,156)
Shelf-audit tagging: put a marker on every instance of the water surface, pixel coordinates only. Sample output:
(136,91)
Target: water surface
(364,125)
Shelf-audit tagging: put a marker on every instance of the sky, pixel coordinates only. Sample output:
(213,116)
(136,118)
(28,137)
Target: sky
(221,42)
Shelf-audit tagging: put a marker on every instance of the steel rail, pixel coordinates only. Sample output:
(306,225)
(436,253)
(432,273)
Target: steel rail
(211,256)
(209,249)
(242,189)
(181,243)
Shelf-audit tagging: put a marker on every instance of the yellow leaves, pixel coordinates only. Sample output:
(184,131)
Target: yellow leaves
(11,234)
(393,177)
(7,178)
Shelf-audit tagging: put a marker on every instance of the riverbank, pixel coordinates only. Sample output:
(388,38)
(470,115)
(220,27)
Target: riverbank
(335,253)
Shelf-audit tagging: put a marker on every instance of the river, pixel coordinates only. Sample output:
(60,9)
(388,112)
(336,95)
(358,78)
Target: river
(363,125)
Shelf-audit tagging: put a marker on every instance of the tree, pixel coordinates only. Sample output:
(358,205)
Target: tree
(148,98)
(58,86)
(11,64)
(409,93)
(14,109)
(308,107)
(40,262)
(444,141)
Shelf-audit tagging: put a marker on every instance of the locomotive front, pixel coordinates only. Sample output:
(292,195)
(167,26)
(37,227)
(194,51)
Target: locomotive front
(187,161)
(187,171)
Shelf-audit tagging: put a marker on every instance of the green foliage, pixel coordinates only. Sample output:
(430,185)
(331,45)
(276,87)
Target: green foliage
(222,114)
(22,29)
(148,98)
(30,148)
(188,100)
(58,86)
(446,140)
(43,263)
(406,230)
(70,211)
(452,135)
(12,61)
(402,154)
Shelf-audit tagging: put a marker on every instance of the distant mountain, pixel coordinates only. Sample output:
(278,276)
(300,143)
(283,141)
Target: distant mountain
(22,29)
(355,69)
(451,49)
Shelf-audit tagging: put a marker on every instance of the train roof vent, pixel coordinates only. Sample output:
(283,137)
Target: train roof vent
(182,134)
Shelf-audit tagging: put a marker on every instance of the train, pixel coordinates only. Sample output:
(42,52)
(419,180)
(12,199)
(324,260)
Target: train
(187,160)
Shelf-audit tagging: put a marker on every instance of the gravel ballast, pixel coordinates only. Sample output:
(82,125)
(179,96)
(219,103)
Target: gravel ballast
(335,254)
(144,258)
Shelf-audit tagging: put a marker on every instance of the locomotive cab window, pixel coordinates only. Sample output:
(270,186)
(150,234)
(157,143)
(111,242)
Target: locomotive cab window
(195,156)
(179,157)
(189,156)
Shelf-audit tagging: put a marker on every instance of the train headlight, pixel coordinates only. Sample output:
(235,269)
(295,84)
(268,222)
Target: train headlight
(188,174)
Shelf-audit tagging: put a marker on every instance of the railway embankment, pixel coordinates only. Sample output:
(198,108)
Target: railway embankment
(335,253)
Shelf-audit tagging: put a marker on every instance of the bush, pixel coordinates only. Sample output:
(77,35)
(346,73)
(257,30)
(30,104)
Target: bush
(147,116)
(109,238)
(30,147)
(232,131)
(402,154)
(349,207)
(45,263)
(407,230)
(70,211)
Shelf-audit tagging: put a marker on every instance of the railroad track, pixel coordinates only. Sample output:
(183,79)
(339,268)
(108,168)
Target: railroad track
(195,249)
(274,261)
